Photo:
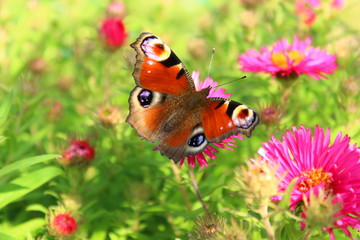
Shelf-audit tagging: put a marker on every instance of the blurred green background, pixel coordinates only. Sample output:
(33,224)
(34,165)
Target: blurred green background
(130,191)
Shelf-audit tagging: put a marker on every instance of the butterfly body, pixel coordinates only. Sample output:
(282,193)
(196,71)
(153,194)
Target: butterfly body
(165,105)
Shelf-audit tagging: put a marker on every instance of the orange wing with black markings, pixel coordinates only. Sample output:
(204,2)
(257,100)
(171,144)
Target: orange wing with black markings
(147,112)
(158,69)
(222,118)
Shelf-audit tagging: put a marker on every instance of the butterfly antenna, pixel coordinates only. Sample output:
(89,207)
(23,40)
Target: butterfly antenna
(211,60)
(232,81)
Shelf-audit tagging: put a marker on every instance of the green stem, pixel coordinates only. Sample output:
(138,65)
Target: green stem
(285,98)
(176,171)
(307,235)
(263,211)
(196,188)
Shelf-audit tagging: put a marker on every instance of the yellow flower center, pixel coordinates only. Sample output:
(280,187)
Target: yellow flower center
(314,177)
(280,60)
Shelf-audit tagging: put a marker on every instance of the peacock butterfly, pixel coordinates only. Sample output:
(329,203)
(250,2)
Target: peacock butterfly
(165,106)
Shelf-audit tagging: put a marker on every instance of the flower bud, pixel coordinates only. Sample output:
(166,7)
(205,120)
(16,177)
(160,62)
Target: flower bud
(109,116)
(61,223)
(113,33)
(320,210)
(258,181)
(270,115)
(208,226)
(197,48)
(251,3)
(65,83)
(37,65)
(55,110)
(116,10)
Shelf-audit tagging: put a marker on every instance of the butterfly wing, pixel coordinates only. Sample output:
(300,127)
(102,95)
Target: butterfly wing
(147,111)
(222,118)
(157,68)
(159,74)
(216,120)
(159,116)
(187,140)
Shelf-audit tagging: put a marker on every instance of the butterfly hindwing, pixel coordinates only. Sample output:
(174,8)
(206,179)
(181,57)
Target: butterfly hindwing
(186,141)
(147,111)
(222,118)
(155,117)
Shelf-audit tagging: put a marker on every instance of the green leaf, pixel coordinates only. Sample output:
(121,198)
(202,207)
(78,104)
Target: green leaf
(285,201)
(20,231)
(99,234)
(38,208)
(5,109)
(2,139)
(4,236)
(10,187)
(25,163)
(27,183)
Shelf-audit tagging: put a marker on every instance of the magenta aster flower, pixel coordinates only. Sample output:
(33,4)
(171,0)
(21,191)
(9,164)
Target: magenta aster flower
(209,149)
(317,164)
(289,60)
(220,92)
(63,225)
(79,152)
(307,9)
(338,4)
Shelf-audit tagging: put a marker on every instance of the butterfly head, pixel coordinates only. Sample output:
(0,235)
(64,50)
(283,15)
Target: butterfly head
(196,99)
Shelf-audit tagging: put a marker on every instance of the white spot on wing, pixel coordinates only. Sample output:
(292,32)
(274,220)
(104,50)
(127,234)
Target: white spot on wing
(150,44)
(243,122)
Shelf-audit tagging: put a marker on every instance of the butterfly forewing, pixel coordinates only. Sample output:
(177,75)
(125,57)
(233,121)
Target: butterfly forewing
(158,69)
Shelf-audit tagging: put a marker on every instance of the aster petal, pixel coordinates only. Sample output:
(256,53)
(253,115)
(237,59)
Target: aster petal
(196,78)
(201,160)
(338,3)
(309,60)
(209,153)
(210,148)
(301,151)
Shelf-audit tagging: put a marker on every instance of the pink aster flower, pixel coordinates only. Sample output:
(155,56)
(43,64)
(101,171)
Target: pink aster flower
(116,9)
(338,4)
(79,152)
(226,143)
(307,9)
(214,92)
(285,60)
(316,164)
